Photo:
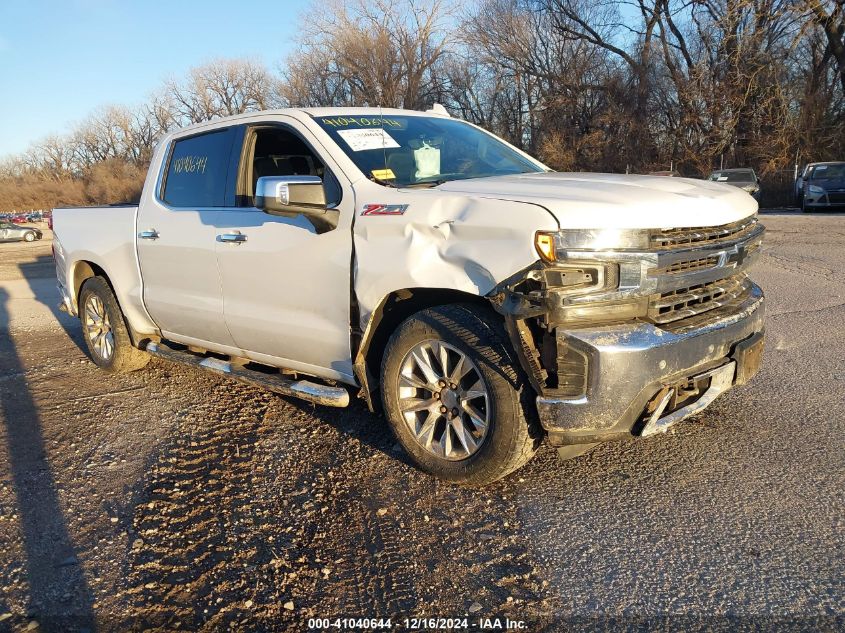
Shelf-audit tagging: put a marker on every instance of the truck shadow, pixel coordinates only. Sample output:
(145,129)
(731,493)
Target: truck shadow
(356,421)
(40,275)
(59,596)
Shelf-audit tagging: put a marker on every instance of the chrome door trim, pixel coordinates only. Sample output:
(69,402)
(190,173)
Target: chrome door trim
(232,238)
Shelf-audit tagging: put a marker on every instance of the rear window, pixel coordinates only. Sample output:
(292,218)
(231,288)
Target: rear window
(197,171)
(733,176)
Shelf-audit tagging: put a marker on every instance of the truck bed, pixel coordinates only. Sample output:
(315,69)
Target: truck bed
(101,237)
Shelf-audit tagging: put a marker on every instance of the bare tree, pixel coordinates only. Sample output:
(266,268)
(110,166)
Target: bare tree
(556,94)
(830,16)
(220,88)
(53,156)
(105,157)
(371,52)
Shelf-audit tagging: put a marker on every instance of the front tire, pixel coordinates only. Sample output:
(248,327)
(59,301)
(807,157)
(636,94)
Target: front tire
(29,236)
(804,207)
(455,395)
(105,332)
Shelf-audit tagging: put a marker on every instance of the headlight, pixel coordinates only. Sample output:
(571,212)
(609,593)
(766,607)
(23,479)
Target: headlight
(597,275)
(551,245)
(815,189)
(751,188)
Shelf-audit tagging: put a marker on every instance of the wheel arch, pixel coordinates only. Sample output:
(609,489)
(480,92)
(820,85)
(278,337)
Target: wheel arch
(390,312)
(82,271)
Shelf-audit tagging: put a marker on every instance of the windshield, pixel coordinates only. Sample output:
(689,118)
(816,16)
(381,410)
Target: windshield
(828,172)
(745,175)
(417,150)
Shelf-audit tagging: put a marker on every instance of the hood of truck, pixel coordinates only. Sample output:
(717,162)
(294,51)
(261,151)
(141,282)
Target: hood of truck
(597,201)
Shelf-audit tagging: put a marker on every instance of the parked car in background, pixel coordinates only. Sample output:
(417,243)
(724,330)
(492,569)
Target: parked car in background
(744,178)
(799,182)
(823,187)
(11,232)
(671,174)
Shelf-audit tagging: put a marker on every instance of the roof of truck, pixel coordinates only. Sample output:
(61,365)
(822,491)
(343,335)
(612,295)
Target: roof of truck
(314,112)
(365,111)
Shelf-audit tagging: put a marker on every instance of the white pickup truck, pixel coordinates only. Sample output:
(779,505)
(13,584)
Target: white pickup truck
(481,301)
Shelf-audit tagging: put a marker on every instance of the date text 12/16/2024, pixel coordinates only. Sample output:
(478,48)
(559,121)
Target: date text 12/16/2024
(418,624)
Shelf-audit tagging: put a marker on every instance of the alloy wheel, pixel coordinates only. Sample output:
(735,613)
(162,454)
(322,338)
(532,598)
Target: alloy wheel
(443,400)
(98,327)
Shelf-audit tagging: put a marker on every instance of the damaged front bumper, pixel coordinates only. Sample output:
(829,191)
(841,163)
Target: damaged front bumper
(643,379)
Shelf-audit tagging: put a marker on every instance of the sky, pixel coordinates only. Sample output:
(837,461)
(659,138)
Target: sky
(62,59)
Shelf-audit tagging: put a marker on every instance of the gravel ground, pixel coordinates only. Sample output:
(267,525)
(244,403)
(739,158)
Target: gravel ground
(171,499)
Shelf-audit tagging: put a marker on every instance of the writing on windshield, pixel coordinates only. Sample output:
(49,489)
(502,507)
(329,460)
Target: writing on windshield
(418,150)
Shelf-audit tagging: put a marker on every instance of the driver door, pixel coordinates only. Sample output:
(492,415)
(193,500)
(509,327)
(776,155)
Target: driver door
(286,286)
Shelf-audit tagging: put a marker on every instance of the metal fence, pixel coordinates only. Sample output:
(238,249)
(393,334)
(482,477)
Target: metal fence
(777,189)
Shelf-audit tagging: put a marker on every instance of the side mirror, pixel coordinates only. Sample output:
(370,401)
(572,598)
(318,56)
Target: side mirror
(296,195)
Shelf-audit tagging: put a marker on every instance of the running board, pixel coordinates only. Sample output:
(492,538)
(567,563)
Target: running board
(310,391)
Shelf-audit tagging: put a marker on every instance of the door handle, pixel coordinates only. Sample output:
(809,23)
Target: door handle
(232,238)
(152,234)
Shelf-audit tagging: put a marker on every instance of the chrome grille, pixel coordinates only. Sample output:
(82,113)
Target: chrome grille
(690,237)
(695,276)
(687,266)
(687,302)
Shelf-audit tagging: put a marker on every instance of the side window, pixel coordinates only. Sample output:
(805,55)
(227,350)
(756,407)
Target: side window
(197,171)
(275,151)
(332,188)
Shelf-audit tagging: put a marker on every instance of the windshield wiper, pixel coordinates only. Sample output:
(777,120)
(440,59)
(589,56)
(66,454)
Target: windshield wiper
(380,181)
(427,184)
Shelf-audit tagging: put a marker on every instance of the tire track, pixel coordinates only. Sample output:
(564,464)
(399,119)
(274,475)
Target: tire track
(343,532)
(193,538)
(376,577)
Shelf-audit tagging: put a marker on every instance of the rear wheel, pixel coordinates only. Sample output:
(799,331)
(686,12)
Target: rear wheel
(29,236)
(456,397)
(106,335)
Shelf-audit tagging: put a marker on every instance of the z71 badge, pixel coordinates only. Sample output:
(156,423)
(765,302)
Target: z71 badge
(384,209)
